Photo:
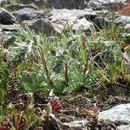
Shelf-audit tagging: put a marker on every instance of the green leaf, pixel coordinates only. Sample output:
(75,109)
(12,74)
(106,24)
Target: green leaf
(1,114)
(49,109)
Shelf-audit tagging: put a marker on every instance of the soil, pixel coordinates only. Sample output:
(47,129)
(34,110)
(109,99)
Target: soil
(104,97)
(125,10)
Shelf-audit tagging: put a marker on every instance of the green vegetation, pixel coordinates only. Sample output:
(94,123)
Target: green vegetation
(34,65)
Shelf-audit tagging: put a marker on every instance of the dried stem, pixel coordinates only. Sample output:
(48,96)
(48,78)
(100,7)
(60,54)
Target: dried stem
(66,73)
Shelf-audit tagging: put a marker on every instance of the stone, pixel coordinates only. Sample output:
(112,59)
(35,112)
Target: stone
(64,20)
(68,4)
(6,17)
(16,6)
(59,21)
(123,127)
(12,27)
(109,4)
(28,14)
(119,113)
(59,4)
(3,2)
(39,26)
(32,1)
(127,29)
(122,19)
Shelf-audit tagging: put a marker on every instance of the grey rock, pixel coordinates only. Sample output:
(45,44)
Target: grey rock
(12,27)
(74,13)
(123,127)
(122,19)
(6,17)
(36,2)
(109,4)
(127,28)
(16,6)
(69,4)
(64,19)
(119,113)
(39,25)
(28,14)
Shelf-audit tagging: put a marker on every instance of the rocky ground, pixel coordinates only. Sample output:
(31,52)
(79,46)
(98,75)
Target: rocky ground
(57,17)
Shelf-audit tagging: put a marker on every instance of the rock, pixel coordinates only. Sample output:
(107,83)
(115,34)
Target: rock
(109,4)
(64,19)
(122,19)
(127,28)
(59,4)
(74,13)
(119,113)
(28,14)
(123,127)
(20,6)
(6,17)
(32,1)
(8,27)
(39,25)
(68,4)
(3,2)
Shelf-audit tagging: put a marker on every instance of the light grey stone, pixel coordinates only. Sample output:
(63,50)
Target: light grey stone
(4,2)
(123,127)
(106,3)
(64,19)
(119,113)
(122,19)
(59,4)
(12,27)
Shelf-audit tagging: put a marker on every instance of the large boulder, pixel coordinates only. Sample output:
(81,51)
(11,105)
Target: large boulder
(64,19)
(6,17)
(28,14)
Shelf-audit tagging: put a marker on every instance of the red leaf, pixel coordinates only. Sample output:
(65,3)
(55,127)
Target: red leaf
(56,105)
